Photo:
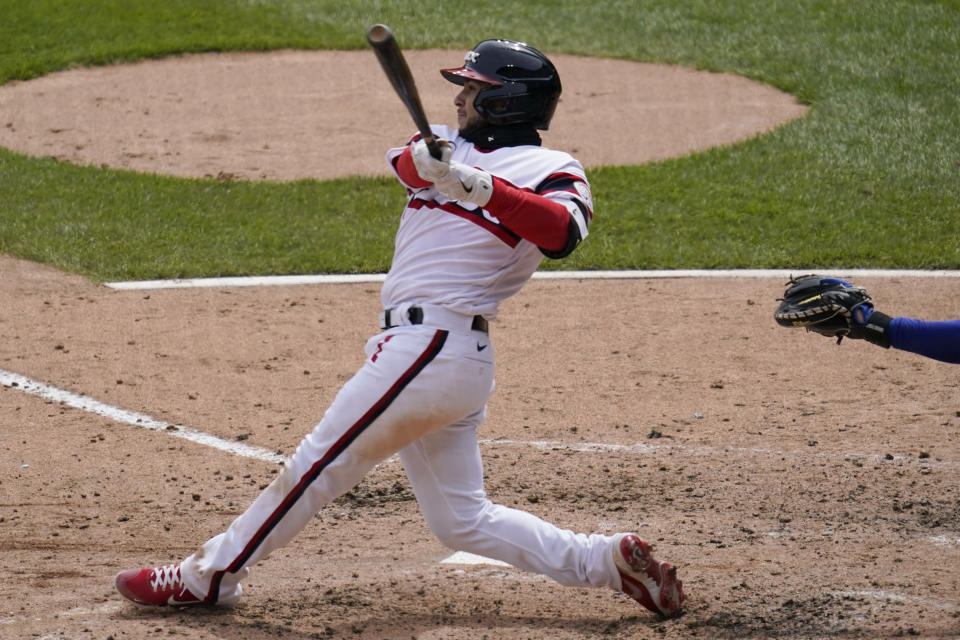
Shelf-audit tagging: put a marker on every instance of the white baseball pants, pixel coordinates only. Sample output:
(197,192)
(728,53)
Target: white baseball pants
(422,391)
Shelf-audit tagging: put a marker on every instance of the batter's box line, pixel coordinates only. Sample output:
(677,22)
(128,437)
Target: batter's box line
(85,403)
(599,447)
(887,597)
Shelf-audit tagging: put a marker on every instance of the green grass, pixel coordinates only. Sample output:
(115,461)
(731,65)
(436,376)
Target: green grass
(869,178)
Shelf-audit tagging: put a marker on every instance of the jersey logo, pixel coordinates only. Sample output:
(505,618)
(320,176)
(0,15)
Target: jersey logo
(583,189)
(481,347)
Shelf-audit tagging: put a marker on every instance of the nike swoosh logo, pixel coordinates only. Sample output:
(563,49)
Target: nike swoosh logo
(465,189)
(481,347)
(175,599)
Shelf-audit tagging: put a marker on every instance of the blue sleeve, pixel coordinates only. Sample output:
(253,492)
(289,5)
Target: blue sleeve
(937,340)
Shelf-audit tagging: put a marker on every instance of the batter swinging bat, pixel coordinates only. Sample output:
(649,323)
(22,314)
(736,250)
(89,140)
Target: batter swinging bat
(395,66)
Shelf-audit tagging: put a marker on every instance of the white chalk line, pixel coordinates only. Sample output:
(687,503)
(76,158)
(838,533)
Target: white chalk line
(886,597)
(706,450)
(84,403)
(289,280)
(107,608)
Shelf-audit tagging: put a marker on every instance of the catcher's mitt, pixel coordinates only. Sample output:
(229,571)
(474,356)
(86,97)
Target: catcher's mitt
(828,306)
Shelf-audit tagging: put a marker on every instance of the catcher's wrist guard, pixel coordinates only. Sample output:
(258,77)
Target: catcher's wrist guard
(875,330)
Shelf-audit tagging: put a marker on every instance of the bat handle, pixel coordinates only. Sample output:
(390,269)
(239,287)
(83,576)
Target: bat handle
(433,146)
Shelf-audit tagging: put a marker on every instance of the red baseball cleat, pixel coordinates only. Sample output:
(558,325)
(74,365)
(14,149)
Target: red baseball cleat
(650,582)
(159,587)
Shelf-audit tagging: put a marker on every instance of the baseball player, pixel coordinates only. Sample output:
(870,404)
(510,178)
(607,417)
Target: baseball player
(477,223)
(838,309)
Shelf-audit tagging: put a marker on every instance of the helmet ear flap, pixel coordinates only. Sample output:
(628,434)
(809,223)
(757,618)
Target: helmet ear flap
(507,105)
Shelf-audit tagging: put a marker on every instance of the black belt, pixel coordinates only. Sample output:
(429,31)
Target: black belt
(415,316)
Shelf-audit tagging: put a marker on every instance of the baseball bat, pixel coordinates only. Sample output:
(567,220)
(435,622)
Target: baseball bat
(395,66)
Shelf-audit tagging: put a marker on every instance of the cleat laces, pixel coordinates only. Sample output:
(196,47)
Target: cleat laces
(167,577)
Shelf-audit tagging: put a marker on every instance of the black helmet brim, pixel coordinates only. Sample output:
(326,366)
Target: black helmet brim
(461,74)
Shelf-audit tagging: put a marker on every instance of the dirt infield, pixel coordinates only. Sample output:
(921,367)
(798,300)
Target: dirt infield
(805,489)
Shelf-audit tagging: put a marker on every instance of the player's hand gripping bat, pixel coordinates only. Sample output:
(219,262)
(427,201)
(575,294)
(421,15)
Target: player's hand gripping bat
(395,66)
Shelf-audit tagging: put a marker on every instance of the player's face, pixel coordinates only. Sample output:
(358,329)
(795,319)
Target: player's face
(467,116)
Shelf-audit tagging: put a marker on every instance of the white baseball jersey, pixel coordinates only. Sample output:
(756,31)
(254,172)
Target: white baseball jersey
(459,256)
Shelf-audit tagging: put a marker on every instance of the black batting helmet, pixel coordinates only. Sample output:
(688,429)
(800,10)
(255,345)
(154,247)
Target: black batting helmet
(524,84)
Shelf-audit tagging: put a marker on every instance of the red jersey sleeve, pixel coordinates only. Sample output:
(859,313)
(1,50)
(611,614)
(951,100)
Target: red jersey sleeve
(533,217)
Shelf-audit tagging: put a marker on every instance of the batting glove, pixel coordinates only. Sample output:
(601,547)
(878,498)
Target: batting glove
(466,184)
(428,167)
